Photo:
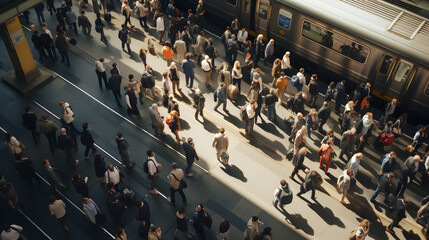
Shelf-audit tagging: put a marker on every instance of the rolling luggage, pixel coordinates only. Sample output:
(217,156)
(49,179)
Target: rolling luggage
(224,157)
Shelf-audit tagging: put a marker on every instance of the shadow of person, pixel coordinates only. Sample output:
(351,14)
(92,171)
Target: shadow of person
(271,128)
(184,125)
(209,126)
(410,234)
(234,171)
(326,214)
(182,97)
(297,221)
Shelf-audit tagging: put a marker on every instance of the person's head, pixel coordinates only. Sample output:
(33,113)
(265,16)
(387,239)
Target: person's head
(260,37)
(155,228)
(124,26)
(45,118)
(222,85)
(287,54)
(46,163)
(150,153)
(364,224)
(172,65)
(392,154)
(353,131)
(330,133)
(283,183)
(119,135)
(272,41)
(190,141)
(389,124)
(343,82)
(98,158)
(62,104)
(233,36)
(325,103)
(312,112)
(222,130)
(139,204)
(248,56)
(76,178)
(266,231)
(369,115)
(255,219)
(200,2)
(98,16)
(349,172)
(368,85)
(359,156)
(85,200)
(188,56)
(174,165)
(85,126)
(164,74)
(253,103)
(154,106)
(199,207)
(121,230)
(301,70)
(390,176)
(303,151)
(181,210)
(272,91)
(52,199)
(236,64)
(131,77)
(329,142)
(416,158)
(394,101)
(300,115)
(110,167)
(174,113)
(210,40)
(277,62)
(303,130)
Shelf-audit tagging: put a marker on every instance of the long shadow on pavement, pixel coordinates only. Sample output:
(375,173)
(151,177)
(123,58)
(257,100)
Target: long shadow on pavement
(235,172)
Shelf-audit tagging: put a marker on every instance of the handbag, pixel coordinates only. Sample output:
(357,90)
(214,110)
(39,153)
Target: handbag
(410,148)
(72,41)
(182,183)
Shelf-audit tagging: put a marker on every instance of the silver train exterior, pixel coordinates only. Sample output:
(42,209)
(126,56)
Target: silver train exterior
(362,41)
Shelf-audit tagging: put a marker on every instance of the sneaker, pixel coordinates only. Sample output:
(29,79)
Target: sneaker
(189,174)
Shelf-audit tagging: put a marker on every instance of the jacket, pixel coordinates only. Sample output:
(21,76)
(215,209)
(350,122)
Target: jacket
(221,94)
(86,138)
(115,83)
(167,52)
(310,122)
(224,76)
(175,184)
(387,163)
(155,117)
(385,184)
(71,17)
(190,152)
(61,43)
(313,87)
(29,121)
(180,47)
(83,21)
(48,127)
(325,151)
(14,146)
(88,211)
(347,141)
(341,93)
(122,144)
(220,141)
(188,67)
(68,115)
(251,230)
(58,209)
(298,160)
(112,176)
(281,84)
(65,142)
(324,113)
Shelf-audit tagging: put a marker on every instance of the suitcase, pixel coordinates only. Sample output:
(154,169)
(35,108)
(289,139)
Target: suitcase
(224,157)
(233,92)
(107,17)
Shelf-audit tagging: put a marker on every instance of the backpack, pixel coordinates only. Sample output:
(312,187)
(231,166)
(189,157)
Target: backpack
(295,81)
(285,197)
(232,47)
(387,139)
(243,113)
(146,80)
(146,167)
(169,120)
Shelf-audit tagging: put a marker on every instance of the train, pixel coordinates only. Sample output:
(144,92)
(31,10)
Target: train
(361,41)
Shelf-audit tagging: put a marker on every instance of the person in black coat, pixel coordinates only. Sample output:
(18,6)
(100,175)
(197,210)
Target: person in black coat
(298,161)
(123,36)
(190,154)
(38,44)
(100,167)
(60,18)
(48,44)
(323,115)
(311,182)
(131,99)
(81,185)
(408,173)
(144,218)
(29,121)
(347,121)
(385,185)
(63,47)
(123,150)
(25,170)
(114,85)
(87,139)
(298,102)
(398,213)
(67,144)
(340,95)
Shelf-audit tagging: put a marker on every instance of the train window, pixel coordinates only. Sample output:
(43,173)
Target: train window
(335,41)
(386,64)
(263,9)
(285,18)
(232,2)
(402,72)
(247,6)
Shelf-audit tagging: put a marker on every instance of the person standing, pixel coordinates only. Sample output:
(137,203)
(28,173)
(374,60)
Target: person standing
(199,221)
(389,110)
(236,75)
(347,143)
(224,40)
(211,51)
(142,13)
(281,192)
(174,77)
(52,176)
(223,232)
(281,85)
(343,183)
(71,19)
(131,100)
(14,145)
(168,53)
(38,44)
(100,70)
(99,27)
(29,121)
(175,178)
(224,75)
(385,185)
(354,163)
(340,96)
(126,12)
(160,28)
(114,84)
(220,97)
(388,162)
(250,111)
(92,211)
(112,176)
(269,53)
(154,233)
(252,228)
(81,185)
(398,213)
(285,64)
(100,167)
(408,172)
(232,49)
(83,21)
(148,82)
(200,13)
(143,217)
(190,154)
(39,12)
(57,208)
(63,47)
(313,89)
(25,170)
(87,140)
(207,68)
(298,161)
(323,114)
(199,102)
(242,38)
(124,36)
(49,129)
(180,47)
(297,125)
(220,143)
(123,150)
(157,120)
(325,152)
(153,170)
(188,66)
(299,140)
(311,182)
(11,232)
(67,144)
(182,225)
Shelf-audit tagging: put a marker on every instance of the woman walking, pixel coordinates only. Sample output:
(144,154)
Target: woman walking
(237,75)
(325,152)
(174,77)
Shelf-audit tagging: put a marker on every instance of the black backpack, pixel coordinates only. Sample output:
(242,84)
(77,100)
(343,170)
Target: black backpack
(285,196)
(146,80)
(243,113)
(146,167)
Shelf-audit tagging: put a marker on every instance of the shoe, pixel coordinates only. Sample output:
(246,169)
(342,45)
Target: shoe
(373,201)
(154,192)
(179,89)
(189,174)
(76,163)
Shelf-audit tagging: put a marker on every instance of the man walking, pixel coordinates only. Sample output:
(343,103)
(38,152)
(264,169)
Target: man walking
(188,66)
(385,185)
(49,129)
(340,95)
(25,170)
(388,162)
(39,12)
(123,150)
(269,53)
(142,13)
(83,21)
(57,208)
(398,213)
(123,35)
(160,28)
(143,217)
(157,120)
(67,144)
(190,154)
(29,121)
(153,168)
(68,116)
(250,120)
(38,44)
(281,193)
(52,176)
(347,143)
(148,82)
(220,143)
(87,140)
(71,19)
(180,47)
(112,176)
(207,68)
(220,96)
(389,110)
(175,178)
(408,172)
(63,47)
(101,72)
(323,115)
(232,49)
(114,84)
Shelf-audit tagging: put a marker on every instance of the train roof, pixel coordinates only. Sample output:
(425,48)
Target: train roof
(378,22)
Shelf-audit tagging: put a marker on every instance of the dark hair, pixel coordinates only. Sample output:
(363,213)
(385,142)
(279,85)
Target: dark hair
(181,210)
(255,218)
(85,125)
(149,152)
(83,11)
(119,134)
(266,231)
(52,198)
(131,76)
(98,158)
(114,65)
(75,178)
(27,108)
(8,136)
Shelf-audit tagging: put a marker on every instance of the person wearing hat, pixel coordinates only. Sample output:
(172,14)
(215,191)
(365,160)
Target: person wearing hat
(154,233)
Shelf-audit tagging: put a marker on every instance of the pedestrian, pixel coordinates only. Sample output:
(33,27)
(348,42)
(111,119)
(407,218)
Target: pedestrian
(87,140)
(67,144)
(114,84)
(143,57)
(399,213)
(92,211)
(190,154)
(154,233)
(168,53)
(52,176)
(270,101)
(136,86)
(326,151)
(220,143)
(206,66)
(232,49)
(160,28)
(399,124)
(199,101)
(266,234)
(154,6)
(71,19)
(157,120)
(388,162)
(100,70)
(39,8)
(252,228)
(340,95)
(247,67)
(312,121)
(329,136)
(285,64)
(199,220)
(298,102)
(242,38)
(367,121)
(311,182)
(224,40)
(126,12)
(175,178)
(83,21)
(100,167)
(347,143)
(259,49)
(224,75)
(361,232)
(249,48)
(99,27)
(148,82)
(220,97)
(418,139)
(112,175)
(124,36)
(142,12)
(173,122)
(25,170)
(200,14)
(29,121)
(385,185)
(172,32)
(12,232)
(299,139)
(181,222)
(323,115)
(57,208)
(63,47)
(50,6)
(131,100)
(298,161)
(281,85)
(144,218)
(60,18)
(408,173)
(297,125)
(153,171)
(49,129)
(237,75)
(343,183)
(301,79)
(123,150)
(174,77)
(313,89)
(180,47)
(347,121)
(250,111)
(269,53)
(187,37)
(223,232)
(38,44)
(281,194)
(276,70)
(121,234)
(188,66)
(9,195)
(330,92)
(81,185)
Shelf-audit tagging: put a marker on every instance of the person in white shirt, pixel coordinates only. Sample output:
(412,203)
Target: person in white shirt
(153,170)
(112,176)
(301,77)
(242,38)
(11,232)
(354,163)
(101,72)
(160,28)
(250,111)
(285,64)
(207,68)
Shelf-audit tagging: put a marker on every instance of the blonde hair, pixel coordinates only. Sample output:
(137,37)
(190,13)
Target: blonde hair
(260,36)
(303,151)
(237,65)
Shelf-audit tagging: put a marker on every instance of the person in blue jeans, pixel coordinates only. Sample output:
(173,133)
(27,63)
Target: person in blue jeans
(385,185)
(270,101)
(39,11)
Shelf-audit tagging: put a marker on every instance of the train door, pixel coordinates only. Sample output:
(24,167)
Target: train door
(247,16)
(394,73)
(254,15)
(261,16)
